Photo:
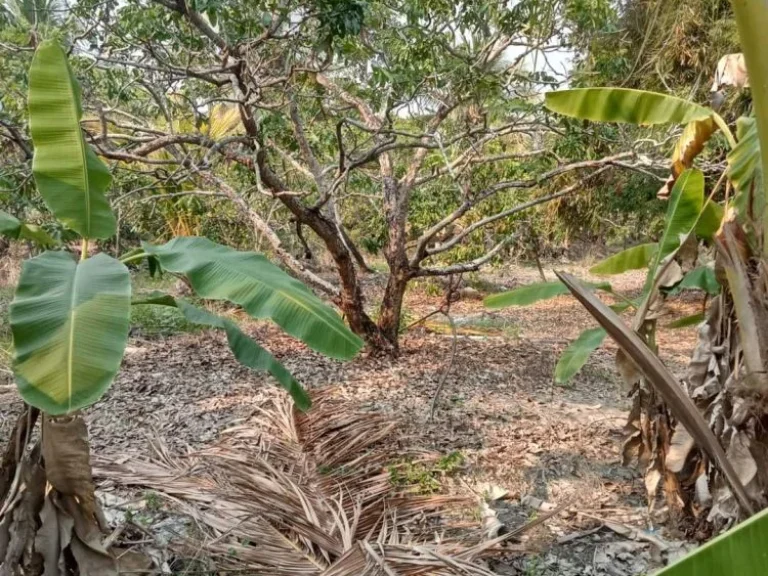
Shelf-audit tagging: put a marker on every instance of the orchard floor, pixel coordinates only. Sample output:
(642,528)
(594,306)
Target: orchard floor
(498,409)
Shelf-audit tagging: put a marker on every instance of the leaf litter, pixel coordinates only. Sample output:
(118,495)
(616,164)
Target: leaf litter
(516,432)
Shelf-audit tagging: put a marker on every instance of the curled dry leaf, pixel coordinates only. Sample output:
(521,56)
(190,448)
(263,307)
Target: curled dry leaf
(731,71)
(680,447)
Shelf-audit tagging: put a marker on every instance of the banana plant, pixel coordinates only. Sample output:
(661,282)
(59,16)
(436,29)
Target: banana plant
(70,318)
(689,212)
(732,344)
(66,313)
(684,215)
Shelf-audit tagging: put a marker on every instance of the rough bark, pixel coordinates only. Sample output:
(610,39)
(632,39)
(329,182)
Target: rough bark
(392,306)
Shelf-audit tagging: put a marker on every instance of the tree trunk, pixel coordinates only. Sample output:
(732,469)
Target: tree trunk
(392,306)
(352,303)
(396,209)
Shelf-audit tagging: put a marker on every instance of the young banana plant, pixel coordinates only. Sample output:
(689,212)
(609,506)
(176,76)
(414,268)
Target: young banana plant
(727,374)
(690,214)
(70,322)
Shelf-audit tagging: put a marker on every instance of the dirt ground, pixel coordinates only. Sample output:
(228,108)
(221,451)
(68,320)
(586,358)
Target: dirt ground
(515,431)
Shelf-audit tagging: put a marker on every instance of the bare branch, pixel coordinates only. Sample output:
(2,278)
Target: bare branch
(469,203)
(259,224)
(512,211)
(472,266)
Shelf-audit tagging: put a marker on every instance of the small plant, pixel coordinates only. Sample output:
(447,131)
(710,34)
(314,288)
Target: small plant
(424,477)
(450,463)
(153,501)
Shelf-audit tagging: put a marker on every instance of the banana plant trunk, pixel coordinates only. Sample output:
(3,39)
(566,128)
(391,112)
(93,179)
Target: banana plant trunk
(50,520)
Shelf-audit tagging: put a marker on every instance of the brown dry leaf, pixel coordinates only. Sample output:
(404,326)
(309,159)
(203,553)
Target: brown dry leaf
(53,536)
(630,450)
(91,562)
(681,445)
(741,458)
(731,71)
(691,143)
(652,479)
(312,492)
(67,459)
(630,373)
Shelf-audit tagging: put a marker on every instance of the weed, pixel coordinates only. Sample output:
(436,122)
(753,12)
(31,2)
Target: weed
(424,477)
(533,567)
(450,463)
(153,501)
(152,320)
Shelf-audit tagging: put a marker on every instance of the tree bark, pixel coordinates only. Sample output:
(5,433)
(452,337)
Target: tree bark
(392,306)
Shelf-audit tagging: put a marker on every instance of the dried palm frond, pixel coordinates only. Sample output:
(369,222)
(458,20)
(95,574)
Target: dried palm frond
(297,494)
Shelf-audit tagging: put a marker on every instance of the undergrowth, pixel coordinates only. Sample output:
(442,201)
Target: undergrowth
(425,477)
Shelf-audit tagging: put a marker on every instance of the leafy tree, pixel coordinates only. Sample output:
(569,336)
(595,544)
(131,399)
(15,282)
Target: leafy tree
(420,117)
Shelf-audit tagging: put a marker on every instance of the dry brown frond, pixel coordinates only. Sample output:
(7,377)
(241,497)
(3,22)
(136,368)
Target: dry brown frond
(297,494)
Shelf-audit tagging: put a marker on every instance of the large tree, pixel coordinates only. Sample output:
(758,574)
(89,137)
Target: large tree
(334,106)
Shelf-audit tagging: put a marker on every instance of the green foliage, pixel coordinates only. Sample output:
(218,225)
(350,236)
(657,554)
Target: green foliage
(687,321)
(625,105)
(578,352)
(70,326)
(702,278)
(424,477)
(70,177)
(149,320)
(70,321)
(745,170)
(630,259)
(686,203)
(709,220)
(261,288)
(13,228)
(527,295)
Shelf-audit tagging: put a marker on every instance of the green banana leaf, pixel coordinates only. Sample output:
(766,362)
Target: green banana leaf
(526,295)
(70,325)
(13,228)
(630,259)
(246,350)
(687,321)
(685,206)
(69,176)
(10,226)
(532,293)
(739,552)
(576,355)
(702,278)
(709,220)
(625,105)
(745,169)
(263,290)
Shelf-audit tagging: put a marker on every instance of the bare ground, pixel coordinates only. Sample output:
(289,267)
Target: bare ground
(499,409)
